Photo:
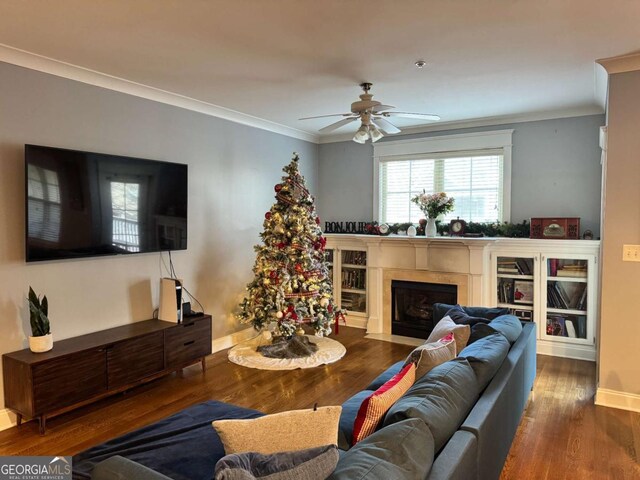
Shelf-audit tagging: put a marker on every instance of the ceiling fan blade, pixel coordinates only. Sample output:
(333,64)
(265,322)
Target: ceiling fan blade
(338,124)
(387,127)
(419,116)
(380,108)
(331,115)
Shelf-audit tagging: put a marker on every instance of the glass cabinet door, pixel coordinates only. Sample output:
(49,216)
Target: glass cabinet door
(353,286)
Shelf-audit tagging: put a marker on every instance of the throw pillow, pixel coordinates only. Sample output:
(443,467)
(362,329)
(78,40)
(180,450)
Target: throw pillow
(509,326)
(459,316)
(280,432)
(310,464)
(376,405)
(429,355)
(446,326)
(441,309)
(480,330)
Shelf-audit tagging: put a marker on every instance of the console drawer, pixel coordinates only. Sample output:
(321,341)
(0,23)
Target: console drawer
(187,341)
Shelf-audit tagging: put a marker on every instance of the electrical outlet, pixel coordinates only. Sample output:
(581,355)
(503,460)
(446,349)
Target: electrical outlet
(631,253)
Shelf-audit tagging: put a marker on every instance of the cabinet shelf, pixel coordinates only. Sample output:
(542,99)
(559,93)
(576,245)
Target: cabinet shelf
(567,311)
(568,279)
(516,306)
(348,265)
(354,290)
(516,276)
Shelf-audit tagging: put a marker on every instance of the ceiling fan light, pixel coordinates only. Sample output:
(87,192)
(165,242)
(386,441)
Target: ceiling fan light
(375,134)
(362,135)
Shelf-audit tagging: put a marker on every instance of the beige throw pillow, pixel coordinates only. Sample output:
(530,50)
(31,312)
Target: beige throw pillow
(280,432)
(446,326)
(430,355)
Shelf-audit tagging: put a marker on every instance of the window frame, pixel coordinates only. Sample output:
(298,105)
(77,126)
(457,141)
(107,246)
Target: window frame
(443,146)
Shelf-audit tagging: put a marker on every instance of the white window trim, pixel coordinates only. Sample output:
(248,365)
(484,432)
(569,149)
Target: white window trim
(496,139)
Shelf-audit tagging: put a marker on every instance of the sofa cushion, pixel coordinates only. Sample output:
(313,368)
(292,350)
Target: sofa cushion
(485,356)
(376,405)
(480,330)
(385,376)
(447,326)
(430,355)
(402,451)
(348,417)
(441,309)
(459,316)
(280,432)
(442,399)
(508,325)
(310,464)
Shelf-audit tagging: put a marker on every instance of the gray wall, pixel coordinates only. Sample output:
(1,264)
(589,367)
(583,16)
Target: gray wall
(555,172)
(232,171)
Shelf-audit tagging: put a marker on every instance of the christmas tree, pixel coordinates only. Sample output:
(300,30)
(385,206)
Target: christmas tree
(292,286)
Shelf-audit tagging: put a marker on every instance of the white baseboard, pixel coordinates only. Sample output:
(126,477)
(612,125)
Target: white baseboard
(7,419)
(557,349)
(232,339)
(615,399)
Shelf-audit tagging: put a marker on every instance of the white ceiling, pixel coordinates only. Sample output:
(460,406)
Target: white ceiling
(284,59)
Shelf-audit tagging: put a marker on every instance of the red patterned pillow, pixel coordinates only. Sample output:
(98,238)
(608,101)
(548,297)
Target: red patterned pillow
(376,405)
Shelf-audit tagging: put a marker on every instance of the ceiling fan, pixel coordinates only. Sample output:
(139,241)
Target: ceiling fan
(373,118)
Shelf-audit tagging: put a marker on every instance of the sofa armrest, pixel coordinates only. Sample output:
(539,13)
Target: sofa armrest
(120,468)
(457,460)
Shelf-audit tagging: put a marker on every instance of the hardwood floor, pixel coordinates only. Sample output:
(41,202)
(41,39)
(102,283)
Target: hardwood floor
(562,434)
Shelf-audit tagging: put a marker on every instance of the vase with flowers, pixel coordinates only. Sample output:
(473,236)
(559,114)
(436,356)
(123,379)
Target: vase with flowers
(433,205)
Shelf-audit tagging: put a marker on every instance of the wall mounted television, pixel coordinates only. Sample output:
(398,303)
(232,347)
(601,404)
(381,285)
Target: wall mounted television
(84,204)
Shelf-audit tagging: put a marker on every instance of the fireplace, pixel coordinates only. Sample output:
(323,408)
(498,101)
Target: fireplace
(412,306)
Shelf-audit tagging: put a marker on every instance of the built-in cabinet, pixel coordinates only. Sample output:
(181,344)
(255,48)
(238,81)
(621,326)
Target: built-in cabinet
(348,270)
(554,285)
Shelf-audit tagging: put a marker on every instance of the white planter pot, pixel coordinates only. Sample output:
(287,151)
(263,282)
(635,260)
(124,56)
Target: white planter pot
(41,344)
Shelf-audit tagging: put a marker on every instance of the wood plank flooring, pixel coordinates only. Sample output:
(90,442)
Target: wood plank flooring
(562,434)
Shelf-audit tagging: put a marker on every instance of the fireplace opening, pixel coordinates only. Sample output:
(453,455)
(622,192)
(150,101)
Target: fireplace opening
(412,306)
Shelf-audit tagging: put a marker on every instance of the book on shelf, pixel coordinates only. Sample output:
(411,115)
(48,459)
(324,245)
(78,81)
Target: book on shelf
(556,326)
(524,266)
(571,329)
(571,273)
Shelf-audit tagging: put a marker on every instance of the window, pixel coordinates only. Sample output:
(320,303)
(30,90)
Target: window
(478,178)
(43,192)
(124,207)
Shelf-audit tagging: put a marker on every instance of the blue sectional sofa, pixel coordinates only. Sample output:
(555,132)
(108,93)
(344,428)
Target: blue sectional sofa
(456,422)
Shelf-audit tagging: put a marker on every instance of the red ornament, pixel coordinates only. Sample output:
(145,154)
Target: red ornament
(267,215)
(318,220)
(281,245)
(298,268)
(330,308)
(278,187)
(273,274)
(290,308)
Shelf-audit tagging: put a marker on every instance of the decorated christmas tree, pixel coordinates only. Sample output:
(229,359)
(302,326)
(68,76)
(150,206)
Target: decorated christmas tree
(292,286)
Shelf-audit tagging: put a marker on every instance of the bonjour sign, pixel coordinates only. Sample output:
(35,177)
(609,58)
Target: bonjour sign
(345,227)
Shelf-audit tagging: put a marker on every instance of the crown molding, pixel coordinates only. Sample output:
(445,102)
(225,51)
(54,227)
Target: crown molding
(482,122)
(621,63)
(69,71)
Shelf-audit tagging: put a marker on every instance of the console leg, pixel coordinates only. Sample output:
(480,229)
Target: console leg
(19,418)
(43,424)
(204,364)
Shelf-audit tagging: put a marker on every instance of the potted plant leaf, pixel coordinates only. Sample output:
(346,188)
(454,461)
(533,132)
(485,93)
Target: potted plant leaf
(41,339)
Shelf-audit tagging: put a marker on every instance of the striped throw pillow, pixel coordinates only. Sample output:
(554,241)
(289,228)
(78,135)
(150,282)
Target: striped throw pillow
(376,405)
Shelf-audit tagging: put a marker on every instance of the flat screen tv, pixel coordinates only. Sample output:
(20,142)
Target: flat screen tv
(83,204)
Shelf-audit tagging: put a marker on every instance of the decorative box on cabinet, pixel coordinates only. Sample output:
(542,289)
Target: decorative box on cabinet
(83,369)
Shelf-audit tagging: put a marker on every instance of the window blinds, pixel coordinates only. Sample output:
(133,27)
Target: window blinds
(474,179)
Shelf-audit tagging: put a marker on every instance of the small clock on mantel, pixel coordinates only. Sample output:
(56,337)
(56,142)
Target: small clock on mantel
(457,227)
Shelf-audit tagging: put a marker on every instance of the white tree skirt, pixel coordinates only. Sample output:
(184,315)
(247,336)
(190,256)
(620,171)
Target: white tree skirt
(245,354)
